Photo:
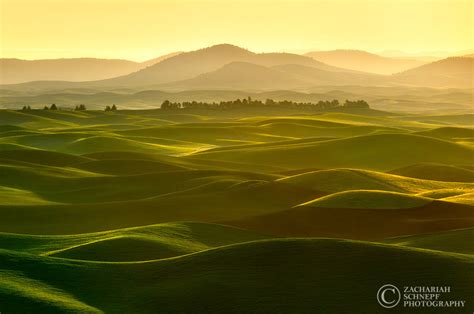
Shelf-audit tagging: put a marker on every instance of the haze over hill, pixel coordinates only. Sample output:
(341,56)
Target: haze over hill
(428,56)
(449,72)
(365,61)
(191,64)
(228,67)
(14,71)
(250,76)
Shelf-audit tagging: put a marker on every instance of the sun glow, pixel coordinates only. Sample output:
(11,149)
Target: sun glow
(143,29)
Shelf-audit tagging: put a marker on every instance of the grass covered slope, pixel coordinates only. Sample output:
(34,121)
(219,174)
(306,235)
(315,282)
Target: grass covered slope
(10,196)
(127,167)
(339,180)
(209,202)
(457,241)
(464,198)
(28,295)
(131,244)
(212,281)
(42,157)
(100,171)
(370,152)
(359,199)
(93,209)
(371,223)
(438,172)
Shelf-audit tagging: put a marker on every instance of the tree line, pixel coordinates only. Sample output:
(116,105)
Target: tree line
(238,103)
(249,102)
(81,107)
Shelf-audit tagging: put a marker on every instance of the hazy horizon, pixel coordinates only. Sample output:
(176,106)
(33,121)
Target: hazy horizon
(142,30)
(385,53)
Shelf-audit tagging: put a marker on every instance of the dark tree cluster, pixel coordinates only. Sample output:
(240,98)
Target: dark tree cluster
(80,108)
(113,108)
(52,107)
(249,102)
(356,104)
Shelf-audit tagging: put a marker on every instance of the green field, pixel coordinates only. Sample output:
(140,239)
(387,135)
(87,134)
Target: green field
(232,211)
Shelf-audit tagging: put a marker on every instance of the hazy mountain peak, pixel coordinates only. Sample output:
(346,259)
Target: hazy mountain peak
(449,72)
(364,61)
(154,61)
(223,50)
(225,46)
(13,70)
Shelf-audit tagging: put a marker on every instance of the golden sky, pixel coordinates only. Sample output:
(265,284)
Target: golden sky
(144,29)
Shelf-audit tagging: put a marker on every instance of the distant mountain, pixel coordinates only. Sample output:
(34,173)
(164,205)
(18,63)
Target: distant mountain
(191,64)
(14,71)
(159,59)
(449,72)
(429,56)
(250,76)
(318,77)
(365,61)
(241,76)
(233,68)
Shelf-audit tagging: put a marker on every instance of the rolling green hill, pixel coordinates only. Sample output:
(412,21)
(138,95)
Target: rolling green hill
(465,198)
(132,244)
(339,180)
(449,132)
(458,241)
(10,196)
(208,200)
(363,223)
(127,166)
(95,207)
(437,172)
(42,157)
(213,280)
(370,152)
(360,199)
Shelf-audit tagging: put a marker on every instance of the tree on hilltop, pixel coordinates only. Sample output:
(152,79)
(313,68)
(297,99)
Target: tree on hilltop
(80,108)
(356,104)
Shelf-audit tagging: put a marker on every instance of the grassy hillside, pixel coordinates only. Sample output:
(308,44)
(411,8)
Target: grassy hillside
(370,152)
(362,223)
(339,180)
(360,199)
(88,172)
(437,172)
(131,244)
(458,241)
(464,198)
(212,280)
(93,202)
